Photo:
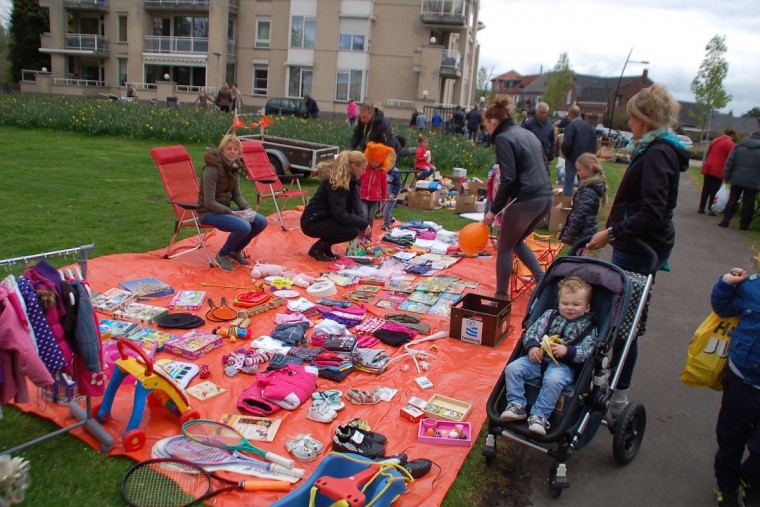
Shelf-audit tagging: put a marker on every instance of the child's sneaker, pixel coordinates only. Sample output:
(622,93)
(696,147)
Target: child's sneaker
(514,412)
(538,424)
(726,499)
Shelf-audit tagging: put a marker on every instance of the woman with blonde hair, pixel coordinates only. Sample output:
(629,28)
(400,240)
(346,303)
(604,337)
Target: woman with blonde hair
(220,187)
(334,214)
(644,203)
(524,193)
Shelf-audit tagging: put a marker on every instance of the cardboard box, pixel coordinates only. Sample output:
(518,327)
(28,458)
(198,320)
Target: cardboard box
(450,409)
(423,199)
(474,186)
(558,215)
(466,203)
(557,192)
(480,319)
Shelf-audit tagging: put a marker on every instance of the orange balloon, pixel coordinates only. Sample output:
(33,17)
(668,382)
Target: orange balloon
(473,238)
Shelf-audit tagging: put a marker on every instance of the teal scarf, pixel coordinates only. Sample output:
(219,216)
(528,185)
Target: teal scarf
(639,146)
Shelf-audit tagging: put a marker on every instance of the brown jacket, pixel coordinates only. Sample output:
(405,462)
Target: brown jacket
(220,184)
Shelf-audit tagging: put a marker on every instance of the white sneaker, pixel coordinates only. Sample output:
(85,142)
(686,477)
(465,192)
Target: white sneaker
(321,413)
(538,424)
(514,412)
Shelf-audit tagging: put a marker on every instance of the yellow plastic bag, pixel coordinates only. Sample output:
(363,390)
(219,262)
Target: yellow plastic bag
(707,356)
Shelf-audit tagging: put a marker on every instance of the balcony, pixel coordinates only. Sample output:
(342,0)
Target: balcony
(176,45)
(63,81)
(88,43)
(185,5)
(85,5)
(443,13)
(451,63)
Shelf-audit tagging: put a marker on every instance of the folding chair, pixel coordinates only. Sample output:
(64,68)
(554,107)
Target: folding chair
(545,247)
(268,183)
(181,184)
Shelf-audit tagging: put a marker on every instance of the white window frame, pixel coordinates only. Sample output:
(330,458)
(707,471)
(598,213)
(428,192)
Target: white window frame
(257,91)
(300,28)
(305,77)
(352,40)
(352,88)
(262,42)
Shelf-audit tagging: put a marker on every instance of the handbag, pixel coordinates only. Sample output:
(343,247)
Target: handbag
(721,199)
(707,356)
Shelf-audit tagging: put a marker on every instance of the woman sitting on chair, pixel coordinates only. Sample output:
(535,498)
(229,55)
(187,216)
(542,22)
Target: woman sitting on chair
(334,214)
(220,187)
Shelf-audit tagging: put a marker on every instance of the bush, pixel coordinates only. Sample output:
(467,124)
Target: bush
(197,126)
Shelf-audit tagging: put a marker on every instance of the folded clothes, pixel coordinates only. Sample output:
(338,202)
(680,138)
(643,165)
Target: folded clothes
(409,320)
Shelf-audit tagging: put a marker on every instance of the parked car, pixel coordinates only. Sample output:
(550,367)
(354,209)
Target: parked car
(286,106)
(686,141)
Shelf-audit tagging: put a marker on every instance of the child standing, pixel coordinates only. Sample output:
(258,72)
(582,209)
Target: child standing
(736,294)
(573,323)
(591,194)
(374,182)
(423,162)
(394,187)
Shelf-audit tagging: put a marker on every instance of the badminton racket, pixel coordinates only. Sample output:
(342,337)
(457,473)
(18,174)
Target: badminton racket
(221,435)
(204,455)
(170,482)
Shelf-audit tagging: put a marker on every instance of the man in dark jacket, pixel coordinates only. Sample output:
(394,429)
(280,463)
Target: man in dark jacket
(742,170)
(543,129)
(311,106)
(372,126)
(579,138)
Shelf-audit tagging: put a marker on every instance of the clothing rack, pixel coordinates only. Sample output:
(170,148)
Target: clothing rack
(83,416)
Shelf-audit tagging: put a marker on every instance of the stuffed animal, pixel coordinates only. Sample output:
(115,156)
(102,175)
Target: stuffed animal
(264,270)
(302,280)
(378,152)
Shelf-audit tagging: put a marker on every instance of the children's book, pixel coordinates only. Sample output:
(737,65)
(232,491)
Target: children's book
(427,298)
(147,288)
(148,334)
(112,299)
(390,301)
(180,372)
(141,313)
(360,296)
(262,429)
(110,328)
(368,288)
(187,300)
(442,307)
(415,307)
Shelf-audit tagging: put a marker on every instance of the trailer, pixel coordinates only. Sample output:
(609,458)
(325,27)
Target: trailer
(292,155)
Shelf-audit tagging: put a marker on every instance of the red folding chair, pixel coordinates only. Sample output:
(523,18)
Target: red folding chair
(268,183)
(181,184)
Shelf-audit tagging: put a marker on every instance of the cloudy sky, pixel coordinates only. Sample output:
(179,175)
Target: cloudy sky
(598,34)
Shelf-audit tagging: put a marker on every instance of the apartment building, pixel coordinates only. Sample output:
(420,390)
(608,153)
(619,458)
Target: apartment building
(401,54)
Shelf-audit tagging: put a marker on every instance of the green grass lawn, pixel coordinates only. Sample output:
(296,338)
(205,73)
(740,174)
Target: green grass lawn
(63,190)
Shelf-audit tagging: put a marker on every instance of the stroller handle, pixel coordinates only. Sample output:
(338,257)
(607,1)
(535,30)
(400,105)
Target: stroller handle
(581,243)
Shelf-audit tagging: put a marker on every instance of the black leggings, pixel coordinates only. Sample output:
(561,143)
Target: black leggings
(329,231)
(710,187)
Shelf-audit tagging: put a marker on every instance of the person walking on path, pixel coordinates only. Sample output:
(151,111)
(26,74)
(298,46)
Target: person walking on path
(712,170)
(742,170)
(543,129)
(579,138)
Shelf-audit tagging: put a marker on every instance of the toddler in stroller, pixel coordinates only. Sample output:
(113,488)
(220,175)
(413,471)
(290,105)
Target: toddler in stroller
(575,412)
(556,342)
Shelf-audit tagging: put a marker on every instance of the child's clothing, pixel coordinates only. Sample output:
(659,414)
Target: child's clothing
(739,415)
(374,190)
(582,221)
(579,335)
(423,162)
(394,187)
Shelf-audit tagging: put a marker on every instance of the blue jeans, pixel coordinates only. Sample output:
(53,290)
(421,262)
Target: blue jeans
(388,211)
(241,231)
(424,173)
(569,183)
(555,379)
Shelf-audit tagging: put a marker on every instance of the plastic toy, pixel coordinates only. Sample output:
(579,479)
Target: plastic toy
(302,280)
(264,270)
(473,238)
(150,381)
(232,332)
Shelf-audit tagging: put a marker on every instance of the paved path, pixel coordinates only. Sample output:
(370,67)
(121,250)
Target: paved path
(674,464)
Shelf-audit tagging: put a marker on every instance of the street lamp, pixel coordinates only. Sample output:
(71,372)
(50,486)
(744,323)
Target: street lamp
(217,55)
(617,88)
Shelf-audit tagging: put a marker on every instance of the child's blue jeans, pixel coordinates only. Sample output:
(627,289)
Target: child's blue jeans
(555,379)
(388,211)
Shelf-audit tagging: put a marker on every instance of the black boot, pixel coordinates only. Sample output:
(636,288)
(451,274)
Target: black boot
(317,252)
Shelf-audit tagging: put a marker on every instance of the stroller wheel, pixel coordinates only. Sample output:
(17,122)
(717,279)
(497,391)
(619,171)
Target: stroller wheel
(629,432)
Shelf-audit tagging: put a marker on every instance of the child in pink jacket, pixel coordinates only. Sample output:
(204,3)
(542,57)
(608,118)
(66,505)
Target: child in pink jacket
(423,163)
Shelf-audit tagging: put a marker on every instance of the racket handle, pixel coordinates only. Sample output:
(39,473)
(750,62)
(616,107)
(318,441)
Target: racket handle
(290,472)
(263,485)
(276,458)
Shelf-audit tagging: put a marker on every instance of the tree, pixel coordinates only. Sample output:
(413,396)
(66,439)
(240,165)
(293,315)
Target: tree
(482,84)
(28,22)
(560,80)
(752,113)
(708,84)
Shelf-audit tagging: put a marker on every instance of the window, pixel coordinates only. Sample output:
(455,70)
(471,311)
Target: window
(303,32)
(122,63)
(351,42)
(348,84)
(263,32)
(299,81)
(122,28)
(260,78)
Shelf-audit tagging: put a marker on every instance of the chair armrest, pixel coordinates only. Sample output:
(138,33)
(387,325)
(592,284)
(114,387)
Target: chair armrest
(186,205)
(265,180)
(291,177)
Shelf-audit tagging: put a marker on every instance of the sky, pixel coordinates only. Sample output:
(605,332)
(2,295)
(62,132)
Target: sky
(524,35)
(528,35)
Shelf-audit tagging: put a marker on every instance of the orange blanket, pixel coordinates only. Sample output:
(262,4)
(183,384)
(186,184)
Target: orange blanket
(460,370)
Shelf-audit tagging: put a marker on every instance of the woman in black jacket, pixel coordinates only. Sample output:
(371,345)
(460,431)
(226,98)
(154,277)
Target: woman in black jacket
(334,214)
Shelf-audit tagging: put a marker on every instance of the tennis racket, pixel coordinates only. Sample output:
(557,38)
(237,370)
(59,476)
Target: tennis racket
(221,435)
(201,454)
(170,482)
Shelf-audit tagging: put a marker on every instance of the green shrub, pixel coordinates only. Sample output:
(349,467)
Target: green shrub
(197,126)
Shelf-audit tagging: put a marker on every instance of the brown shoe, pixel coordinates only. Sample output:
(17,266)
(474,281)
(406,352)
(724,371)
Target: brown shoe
(240,258)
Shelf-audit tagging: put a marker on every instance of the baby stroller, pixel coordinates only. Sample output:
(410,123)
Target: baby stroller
(619,300)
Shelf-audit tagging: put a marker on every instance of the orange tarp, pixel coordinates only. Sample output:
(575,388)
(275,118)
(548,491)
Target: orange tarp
(460,370)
